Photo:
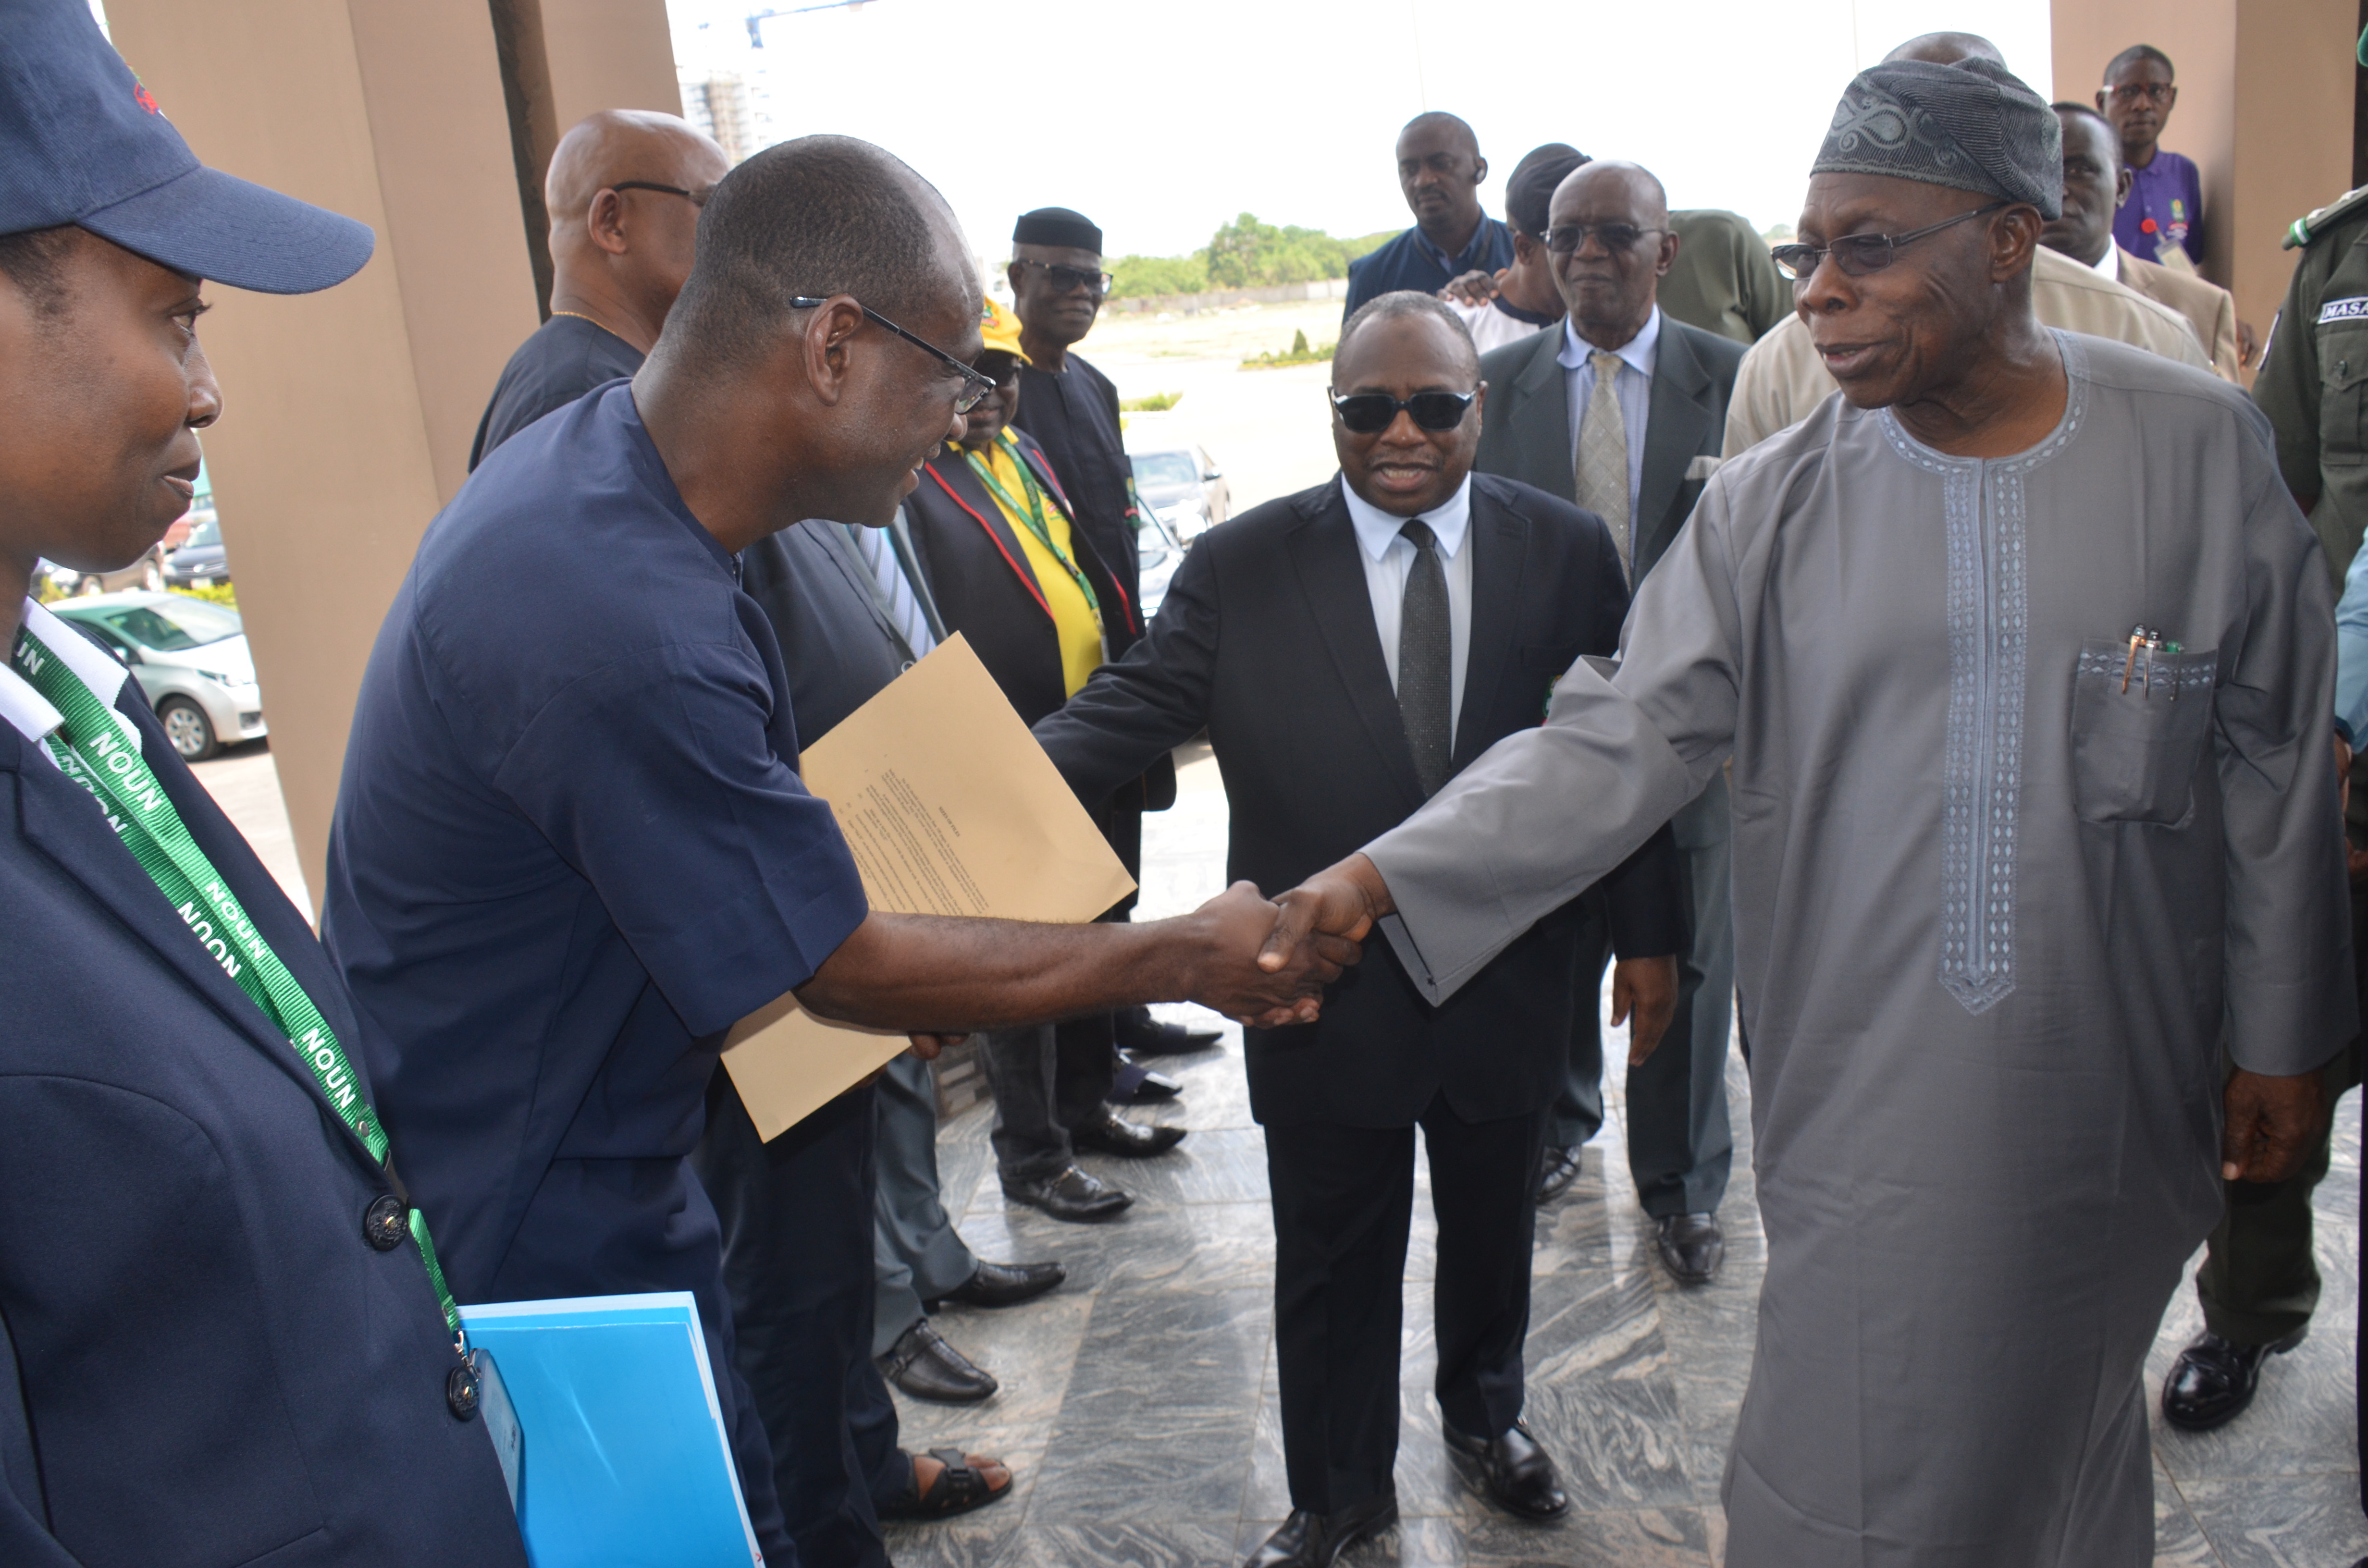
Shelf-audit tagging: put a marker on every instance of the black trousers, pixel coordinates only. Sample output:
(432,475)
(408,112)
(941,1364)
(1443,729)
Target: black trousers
(1046,1079)
(1343,1201)
(797,1216)
(1680,1144)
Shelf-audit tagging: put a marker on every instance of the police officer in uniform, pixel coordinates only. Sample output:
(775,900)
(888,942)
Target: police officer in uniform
(220,1333)
(2260,1281)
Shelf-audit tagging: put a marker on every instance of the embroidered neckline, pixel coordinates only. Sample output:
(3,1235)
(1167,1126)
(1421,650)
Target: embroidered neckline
(1989,620)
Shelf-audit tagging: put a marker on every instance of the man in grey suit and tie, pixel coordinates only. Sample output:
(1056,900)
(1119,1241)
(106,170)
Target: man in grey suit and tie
(1622,411)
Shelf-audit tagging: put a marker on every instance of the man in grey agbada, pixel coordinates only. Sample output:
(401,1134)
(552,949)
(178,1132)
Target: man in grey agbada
(2023,657)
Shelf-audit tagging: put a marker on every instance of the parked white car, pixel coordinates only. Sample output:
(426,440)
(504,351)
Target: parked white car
(190,658)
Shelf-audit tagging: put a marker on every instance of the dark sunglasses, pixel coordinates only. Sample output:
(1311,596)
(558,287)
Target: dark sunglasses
(1069,280)
(696,197)
(974,385)
(1565,238)
(1859,254)
(1370,414)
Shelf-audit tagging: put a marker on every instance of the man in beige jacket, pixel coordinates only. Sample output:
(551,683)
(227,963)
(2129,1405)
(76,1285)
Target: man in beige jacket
(2095,185)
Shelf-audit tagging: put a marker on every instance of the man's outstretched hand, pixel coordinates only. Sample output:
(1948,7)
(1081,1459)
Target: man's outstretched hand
(1340,901)
(1243,977)
(2271,1124)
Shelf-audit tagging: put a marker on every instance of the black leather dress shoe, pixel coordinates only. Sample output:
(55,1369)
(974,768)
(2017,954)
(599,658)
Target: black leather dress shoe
(1316,1540)
(927,1368)
(1510,1470)
(1138,1085)
(2214,1380)
(1140,1035)
(1070,1195)
(1561,1168)
(1113,1134)
(1692,1246)
(1003,1285)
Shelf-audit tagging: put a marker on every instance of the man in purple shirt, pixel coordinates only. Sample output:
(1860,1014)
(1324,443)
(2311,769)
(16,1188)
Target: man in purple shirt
(2163,219)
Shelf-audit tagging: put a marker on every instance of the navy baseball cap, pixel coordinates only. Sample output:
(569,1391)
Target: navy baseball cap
(83,141)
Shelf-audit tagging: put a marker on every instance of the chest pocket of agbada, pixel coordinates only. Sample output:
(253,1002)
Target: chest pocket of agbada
(2343,390)
(2138,728)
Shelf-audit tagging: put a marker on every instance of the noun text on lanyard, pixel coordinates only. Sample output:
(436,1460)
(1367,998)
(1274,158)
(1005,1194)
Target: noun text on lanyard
(96,754)
(1033,516)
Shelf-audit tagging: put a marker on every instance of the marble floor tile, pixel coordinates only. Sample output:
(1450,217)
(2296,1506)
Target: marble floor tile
(2179,1540)
(1140,1410)
(2311,1521)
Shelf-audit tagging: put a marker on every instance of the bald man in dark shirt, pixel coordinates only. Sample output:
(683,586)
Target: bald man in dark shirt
(624,191)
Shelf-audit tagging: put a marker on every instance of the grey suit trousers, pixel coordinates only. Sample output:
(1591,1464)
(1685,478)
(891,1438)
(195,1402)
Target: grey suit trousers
(917,1255)
(1681,1143)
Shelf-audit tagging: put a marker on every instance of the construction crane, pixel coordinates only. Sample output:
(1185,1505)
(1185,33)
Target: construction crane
(758,18)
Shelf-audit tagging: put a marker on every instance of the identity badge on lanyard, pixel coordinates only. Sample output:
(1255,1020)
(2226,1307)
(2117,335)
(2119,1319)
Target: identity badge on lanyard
(93,750)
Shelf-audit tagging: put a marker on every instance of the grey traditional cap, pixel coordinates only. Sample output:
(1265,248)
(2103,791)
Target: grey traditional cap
(1971,126)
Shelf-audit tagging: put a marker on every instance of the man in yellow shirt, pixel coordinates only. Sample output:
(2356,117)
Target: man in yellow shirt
(994,534)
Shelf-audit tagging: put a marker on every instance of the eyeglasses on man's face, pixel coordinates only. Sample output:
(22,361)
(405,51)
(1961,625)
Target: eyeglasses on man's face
(1859,254)
(696,197)
(1567,239)
(1370,414)
(2129,93)
(1069,280)
(974,385)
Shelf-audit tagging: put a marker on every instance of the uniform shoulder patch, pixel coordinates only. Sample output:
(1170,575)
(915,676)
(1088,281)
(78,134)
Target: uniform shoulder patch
(2305,230)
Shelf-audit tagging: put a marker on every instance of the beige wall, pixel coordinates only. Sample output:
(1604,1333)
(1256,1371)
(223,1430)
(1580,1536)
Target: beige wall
(348,414)
(2265,97)
(608,54)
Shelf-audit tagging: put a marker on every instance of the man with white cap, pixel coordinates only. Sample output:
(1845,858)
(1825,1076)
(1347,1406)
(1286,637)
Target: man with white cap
(2023,657)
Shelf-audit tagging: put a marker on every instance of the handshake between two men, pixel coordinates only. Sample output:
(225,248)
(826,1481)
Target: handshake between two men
(941,976)
(1260,964)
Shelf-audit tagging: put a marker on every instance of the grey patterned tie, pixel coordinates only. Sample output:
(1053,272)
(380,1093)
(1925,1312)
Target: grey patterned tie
(1602,466)
(1426,661)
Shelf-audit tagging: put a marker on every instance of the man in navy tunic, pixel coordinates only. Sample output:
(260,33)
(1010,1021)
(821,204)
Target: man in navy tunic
(571,848)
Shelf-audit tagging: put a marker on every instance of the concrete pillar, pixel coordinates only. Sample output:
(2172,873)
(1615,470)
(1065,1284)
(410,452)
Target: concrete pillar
(2266,90)
(349,413)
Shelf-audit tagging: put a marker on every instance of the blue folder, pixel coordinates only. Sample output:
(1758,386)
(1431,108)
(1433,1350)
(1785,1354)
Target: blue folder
(625,1463)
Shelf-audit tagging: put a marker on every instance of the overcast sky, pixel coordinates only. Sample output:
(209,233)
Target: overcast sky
(1161,121)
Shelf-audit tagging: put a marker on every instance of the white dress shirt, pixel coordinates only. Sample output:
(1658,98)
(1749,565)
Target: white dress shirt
(30,712)
(1388,556)
(2109,264)
(1633,389)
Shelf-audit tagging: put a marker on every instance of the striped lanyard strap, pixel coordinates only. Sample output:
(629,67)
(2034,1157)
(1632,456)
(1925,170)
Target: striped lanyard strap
(99,751)
(1033,513)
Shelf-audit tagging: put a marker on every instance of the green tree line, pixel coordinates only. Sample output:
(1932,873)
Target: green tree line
(1245,254)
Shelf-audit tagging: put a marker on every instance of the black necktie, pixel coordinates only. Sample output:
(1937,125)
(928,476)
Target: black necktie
(1426,661)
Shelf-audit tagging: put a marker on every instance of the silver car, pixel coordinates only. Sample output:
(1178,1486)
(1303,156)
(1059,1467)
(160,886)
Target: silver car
(190,658)
(1186,487)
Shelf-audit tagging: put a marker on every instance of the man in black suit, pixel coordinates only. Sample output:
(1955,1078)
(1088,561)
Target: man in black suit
(1057,284)
(1622,411)
(1350,649)
(1017,570)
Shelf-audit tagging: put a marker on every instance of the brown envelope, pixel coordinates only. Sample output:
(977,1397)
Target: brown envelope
(951,808)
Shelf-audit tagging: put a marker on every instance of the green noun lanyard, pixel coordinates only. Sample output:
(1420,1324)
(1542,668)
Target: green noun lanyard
(97,755)
(1034,514)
